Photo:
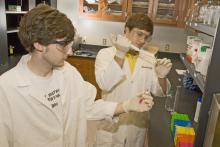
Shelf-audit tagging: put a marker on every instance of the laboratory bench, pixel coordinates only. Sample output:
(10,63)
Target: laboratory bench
(159,130)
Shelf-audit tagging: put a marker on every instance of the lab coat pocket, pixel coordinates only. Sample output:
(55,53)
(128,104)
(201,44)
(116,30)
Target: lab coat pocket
(103,139)
(145,76)
(148,66)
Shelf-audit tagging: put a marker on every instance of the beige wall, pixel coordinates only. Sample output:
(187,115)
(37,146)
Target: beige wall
(94,31)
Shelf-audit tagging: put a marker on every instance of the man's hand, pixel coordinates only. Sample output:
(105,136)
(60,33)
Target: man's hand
(122,44)
(148,57)
(163,67)
(142,103)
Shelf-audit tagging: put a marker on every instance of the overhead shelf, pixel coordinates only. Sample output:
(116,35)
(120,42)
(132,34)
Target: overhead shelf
(16,12)
(198,78)
(12,30)
(207,29)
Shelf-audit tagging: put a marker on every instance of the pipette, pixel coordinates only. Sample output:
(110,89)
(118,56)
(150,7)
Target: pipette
(135,48)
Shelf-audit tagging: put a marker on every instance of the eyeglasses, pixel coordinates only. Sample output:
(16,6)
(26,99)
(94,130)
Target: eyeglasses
(63,46)
(141,35)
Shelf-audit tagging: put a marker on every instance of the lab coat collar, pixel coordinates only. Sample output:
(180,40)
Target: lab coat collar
(24,81)
(27,88)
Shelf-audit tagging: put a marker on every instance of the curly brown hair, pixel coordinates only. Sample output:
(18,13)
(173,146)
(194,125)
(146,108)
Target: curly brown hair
(44,24)
(140,21)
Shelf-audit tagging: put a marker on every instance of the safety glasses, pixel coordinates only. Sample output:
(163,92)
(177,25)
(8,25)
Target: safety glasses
(63,46)
(142,35)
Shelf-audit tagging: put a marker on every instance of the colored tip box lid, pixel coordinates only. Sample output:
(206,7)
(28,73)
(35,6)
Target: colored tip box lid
(182,144)
(185,139)
(178,116)
(184,134)
(184,123)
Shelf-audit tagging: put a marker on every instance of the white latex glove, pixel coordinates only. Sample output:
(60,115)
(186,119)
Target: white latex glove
(142,103)
(163,67)
(148,57)
(122,44)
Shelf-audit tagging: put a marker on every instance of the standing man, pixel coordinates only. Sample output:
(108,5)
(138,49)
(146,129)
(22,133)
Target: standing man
(123,73)
(44,101)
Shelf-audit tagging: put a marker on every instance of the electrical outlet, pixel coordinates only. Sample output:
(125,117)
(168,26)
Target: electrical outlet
(84,39)
(167,47)
(104,41)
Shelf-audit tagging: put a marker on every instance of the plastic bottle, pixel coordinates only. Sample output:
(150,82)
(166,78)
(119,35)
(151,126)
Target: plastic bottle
(205,62)
(11,50)
(198,106)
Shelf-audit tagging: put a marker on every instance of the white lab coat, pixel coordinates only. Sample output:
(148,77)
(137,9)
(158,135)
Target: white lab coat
(118,84)
(27,120)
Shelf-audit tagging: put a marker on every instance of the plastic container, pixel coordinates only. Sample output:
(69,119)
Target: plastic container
(205,62)
(198,106)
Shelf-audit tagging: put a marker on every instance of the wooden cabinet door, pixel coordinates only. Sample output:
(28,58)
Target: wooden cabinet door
(86,67)
(140,6)
(165,12)
(90,8)
(182,7)
(171,12)
(104,9)
(115,11)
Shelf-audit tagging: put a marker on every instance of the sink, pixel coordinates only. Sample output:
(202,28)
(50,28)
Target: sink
(85,53)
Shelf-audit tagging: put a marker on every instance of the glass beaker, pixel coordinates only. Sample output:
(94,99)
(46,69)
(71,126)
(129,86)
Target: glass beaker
(169,103)
(172,98)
